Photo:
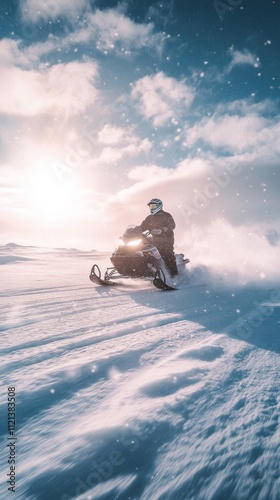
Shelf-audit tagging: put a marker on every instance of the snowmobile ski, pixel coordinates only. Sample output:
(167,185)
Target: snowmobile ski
(160,283)
(95,277)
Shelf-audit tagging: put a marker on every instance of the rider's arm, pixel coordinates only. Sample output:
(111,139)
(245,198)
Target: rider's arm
(169,224)
(145,225)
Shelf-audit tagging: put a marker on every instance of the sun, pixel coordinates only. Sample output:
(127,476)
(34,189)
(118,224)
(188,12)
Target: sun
(52,192)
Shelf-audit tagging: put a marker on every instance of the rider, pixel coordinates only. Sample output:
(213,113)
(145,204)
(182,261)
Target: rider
(161,225)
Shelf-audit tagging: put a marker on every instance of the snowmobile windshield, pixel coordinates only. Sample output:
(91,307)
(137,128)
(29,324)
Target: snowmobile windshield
(133,232)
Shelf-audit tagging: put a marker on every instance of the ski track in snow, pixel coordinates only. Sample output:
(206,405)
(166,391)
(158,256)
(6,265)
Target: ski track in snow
(134,393)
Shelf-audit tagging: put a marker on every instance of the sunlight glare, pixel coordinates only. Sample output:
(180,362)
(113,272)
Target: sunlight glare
(52,197)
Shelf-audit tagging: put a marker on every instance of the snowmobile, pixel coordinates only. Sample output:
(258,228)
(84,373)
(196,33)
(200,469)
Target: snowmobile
(136,257)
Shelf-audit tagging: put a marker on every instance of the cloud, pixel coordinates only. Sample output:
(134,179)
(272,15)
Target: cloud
(120,142)
(234,133)
(15,53)
(161,99)
(65,88)
(106,31)
(186,169)
(241,58)
(238,127)
(112,31)
(174,185)
(12,54)
(162,12)
(113,155)
(143,172)
(201,190)
(37,10)
(112,135)
(246,106)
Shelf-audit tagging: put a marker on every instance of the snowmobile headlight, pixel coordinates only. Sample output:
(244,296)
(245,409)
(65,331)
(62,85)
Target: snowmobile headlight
(134,243)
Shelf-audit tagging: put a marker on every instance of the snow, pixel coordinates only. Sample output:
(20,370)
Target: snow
(134,393)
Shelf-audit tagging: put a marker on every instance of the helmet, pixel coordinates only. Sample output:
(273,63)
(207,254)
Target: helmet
(155,206)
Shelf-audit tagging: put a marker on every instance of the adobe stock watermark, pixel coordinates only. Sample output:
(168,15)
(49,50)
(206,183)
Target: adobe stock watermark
(245,326)
(76,156)
(221,179)
(224,7)
(128,443)
(211,189)
(86,147)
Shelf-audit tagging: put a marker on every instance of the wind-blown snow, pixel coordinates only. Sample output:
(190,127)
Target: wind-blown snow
(133,393)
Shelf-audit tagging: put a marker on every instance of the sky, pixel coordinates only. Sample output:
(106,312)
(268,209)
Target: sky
(106,104)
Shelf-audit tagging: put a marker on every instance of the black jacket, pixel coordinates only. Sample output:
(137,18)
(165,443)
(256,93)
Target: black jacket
(164,221)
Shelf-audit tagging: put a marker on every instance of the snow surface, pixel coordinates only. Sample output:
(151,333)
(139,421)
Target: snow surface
(134,393)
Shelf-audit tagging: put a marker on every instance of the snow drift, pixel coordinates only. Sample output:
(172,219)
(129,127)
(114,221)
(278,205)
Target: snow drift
(135,393)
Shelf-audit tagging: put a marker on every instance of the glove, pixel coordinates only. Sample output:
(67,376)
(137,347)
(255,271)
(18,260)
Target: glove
(156,231)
